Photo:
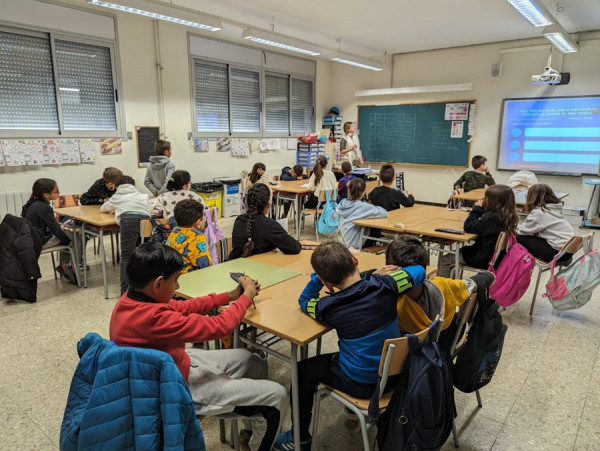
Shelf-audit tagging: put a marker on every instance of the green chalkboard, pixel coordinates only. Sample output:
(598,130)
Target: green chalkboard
(414,134)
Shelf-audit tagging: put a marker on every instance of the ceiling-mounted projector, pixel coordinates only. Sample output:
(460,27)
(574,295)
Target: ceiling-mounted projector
(551,77)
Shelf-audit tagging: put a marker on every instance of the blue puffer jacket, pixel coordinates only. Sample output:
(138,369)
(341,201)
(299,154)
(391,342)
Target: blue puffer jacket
(128,398)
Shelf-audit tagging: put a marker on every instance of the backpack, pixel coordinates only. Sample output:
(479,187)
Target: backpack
(513,274)
(455,204)
(572,288)
(217,243)
(160,232)
(421,409)
(479,357)
(329,220)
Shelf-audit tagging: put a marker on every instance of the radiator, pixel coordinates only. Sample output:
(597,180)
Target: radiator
(12,202)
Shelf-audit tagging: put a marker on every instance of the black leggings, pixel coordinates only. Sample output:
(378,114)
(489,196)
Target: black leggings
(539,248)
(270,414)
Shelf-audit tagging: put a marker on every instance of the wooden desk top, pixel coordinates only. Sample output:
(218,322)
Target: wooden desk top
(428,229)
(520,195)
(292,186)
(90,214)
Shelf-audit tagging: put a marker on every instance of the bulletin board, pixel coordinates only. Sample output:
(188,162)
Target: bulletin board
(432,134)
(146,138)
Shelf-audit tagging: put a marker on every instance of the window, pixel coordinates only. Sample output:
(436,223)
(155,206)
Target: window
(80,98)
(230,100)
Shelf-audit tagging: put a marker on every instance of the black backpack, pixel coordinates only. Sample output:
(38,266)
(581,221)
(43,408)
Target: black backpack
(421,409)
(478,359)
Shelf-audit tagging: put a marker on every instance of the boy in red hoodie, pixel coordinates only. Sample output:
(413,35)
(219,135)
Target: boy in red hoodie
(221,381)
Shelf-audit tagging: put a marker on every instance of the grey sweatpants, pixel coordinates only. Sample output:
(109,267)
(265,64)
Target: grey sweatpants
(222,380)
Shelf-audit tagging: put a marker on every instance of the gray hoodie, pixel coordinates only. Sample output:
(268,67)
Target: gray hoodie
(548,223)
(352,210)
(158,174)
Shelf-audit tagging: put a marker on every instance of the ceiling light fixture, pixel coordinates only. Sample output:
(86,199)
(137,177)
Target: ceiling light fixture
(414,90)
(168,13)
(280,41)
(533,11)
(560,39)
(356,61)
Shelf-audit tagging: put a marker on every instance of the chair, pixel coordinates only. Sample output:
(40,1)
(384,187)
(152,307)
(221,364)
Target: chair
(464,320)
(571,247)
(394,355)
(315,212)
(62,248)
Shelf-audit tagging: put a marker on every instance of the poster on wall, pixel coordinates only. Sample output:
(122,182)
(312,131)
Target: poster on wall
(14,152)
(2,163)
(34,152)
(70,151)
(223,144)
(52,152)
(456,111)
(240,147)
(111,146)
(200,144)
(87,150)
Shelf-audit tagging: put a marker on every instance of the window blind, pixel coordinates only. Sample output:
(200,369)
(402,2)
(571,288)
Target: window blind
(85,86)
(302,105)
(277,103)
(211,98)
(26,83)
(245,101)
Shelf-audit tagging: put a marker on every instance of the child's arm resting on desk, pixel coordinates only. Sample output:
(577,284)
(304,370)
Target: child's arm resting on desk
(309,298)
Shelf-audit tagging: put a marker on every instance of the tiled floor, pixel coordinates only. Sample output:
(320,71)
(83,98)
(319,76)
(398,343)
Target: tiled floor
(545,394)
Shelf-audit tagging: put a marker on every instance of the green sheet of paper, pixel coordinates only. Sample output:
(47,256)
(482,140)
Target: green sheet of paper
(216,279)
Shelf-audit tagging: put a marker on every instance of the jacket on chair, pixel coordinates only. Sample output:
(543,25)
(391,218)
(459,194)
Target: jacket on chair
(20,248)
(128,398)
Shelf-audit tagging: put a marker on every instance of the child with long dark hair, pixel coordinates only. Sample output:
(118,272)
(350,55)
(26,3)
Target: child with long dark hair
(258,175)
(255,233)
(321,179)
(545,230)
(496,213)
(178,189)
(39,212)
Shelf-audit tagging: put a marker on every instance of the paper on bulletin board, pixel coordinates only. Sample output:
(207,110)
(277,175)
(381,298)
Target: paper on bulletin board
(34,152)
(456,111)
(223,144)
(52,151)
(456,130)
(240,148)
(200,144)
(14,152)
(2,163)
(292,143)
(70,151)
(264,145)
(111,146)
(472,117)
(87,150)
(255,145)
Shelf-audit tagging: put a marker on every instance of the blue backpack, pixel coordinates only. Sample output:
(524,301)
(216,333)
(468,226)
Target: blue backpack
(421,409)
(329,220)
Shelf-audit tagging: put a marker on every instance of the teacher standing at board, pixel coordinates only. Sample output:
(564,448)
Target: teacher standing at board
(349,144)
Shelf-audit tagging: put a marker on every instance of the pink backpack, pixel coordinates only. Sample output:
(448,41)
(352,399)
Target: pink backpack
(513,275)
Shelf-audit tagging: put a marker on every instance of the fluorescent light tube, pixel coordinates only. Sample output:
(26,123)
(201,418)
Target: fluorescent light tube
(280,41)
(560,39)
(162,12)
(536,14)
(414,90)
(357,61)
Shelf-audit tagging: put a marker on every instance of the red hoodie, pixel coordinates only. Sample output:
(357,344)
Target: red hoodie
(137,320)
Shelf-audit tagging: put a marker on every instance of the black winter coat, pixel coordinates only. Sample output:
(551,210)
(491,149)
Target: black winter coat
(20,248)
(487,226)
(96,193)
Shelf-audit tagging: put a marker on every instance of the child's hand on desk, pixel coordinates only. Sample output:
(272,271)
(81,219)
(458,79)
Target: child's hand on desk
(247,286)
(387,269)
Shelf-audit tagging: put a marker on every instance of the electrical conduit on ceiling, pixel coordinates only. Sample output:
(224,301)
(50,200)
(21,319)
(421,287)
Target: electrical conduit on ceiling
(161,97)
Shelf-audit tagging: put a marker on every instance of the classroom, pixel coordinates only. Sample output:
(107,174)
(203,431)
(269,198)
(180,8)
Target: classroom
(544,394)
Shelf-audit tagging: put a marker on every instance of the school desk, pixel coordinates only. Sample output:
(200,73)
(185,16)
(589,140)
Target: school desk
(298,189)
(479,193)
(90,215)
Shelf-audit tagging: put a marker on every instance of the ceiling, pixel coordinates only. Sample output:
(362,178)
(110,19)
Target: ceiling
(371,28)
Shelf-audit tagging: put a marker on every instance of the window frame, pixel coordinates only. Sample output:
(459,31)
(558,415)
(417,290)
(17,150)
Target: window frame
(262,71)
(61,133)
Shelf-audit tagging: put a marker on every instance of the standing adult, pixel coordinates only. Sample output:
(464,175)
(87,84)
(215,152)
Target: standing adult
(349,144)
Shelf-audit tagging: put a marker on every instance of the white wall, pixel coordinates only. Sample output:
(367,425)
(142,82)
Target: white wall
(473,65)
(137,55)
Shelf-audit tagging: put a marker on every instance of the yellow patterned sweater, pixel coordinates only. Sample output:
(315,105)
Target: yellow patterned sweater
(193,247)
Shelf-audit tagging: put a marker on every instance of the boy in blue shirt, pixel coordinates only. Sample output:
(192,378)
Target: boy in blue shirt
(344,181)
(363,313)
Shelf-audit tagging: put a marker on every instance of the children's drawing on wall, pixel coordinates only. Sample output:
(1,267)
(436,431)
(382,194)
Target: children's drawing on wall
(223,144)
(111,146)
(200,144)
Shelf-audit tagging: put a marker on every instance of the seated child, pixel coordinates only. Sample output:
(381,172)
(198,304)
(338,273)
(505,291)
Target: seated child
(545,230)
(258,175)
(388,197)
(479,177)
(130,207)
(102,188)
(321,179)
(178,189)
(363,313)
(345,180)
(188,238)
(255,233)
(161,168)
(354,208)
(418,306)
(221,381)
(296,173)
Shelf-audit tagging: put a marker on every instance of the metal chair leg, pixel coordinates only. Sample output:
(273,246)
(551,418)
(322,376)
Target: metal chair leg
(454,434)
(479,403)
(53,265)
(537,284)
